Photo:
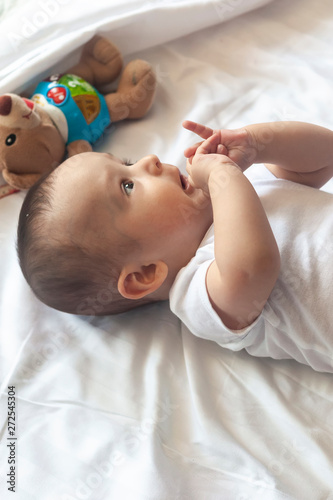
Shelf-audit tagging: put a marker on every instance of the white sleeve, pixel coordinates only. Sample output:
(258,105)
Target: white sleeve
(259,172)
(189,300)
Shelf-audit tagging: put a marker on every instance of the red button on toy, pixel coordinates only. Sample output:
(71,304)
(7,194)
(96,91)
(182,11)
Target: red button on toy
(57,94)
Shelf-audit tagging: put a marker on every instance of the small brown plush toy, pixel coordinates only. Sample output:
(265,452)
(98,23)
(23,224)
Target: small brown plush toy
(66,113)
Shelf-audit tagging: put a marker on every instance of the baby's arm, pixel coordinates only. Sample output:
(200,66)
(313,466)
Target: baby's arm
(297,151)
(247,259)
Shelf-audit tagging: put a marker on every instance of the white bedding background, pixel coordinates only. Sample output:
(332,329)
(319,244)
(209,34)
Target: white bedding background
(134,406)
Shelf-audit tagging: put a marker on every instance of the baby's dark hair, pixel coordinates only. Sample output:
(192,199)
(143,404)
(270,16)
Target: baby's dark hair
(67,276)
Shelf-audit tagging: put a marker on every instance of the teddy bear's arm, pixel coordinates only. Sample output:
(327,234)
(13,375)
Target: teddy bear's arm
(77,147)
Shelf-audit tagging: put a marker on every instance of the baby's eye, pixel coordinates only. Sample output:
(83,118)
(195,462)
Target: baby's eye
(128,163)
(128,187)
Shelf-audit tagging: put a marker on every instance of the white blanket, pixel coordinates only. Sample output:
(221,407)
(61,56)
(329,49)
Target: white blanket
(134,406)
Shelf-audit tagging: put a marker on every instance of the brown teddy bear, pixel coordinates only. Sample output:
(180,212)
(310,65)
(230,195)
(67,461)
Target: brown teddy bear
(66,113)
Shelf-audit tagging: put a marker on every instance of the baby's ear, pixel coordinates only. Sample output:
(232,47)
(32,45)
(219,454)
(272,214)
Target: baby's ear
(136,281)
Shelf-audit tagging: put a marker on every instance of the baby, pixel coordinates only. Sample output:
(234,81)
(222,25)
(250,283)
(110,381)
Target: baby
(248,265)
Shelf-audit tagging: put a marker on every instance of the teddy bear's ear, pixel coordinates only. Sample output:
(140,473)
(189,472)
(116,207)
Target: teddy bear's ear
(20,181)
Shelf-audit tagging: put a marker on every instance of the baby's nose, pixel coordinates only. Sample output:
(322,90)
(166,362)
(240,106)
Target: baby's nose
(152,164)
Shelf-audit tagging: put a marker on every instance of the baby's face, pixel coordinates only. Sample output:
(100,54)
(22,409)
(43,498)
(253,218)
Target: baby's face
(98,196)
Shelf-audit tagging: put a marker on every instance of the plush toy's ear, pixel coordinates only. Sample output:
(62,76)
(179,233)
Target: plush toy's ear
(20,181)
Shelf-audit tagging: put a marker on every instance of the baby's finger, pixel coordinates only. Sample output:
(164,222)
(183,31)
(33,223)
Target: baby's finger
(190,151)
(189,165)
(222,150)
(191,181)
(198,129)
(209,145)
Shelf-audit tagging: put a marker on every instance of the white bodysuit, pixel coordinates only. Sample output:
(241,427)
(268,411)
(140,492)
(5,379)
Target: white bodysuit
(297,320)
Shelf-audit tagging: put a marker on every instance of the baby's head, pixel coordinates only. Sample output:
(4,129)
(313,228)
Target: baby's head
(98,236)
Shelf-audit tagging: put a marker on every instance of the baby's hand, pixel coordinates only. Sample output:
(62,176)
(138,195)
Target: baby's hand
(238,144)
(206,159)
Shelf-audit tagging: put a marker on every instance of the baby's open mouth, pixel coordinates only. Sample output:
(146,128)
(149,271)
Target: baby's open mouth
(184,181)
(186,186)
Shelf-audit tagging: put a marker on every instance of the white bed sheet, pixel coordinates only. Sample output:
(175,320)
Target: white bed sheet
(135,406)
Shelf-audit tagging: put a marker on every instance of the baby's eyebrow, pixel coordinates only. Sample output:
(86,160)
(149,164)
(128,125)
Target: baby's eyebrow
(124,161)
